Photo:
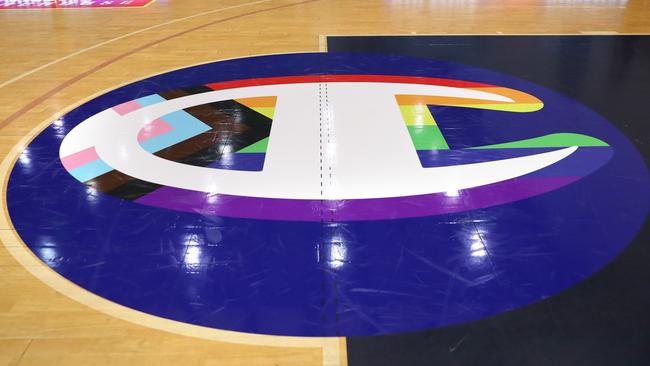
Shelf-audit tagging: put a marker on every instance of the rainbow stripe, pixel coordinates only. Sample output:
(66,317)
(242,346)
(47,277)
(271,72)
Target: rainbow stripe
(424,130)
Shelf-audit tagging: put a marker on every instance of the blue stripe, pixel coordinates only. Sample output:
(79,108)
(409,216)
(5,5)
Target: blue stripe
(150,99)
(184,126)
(90,170)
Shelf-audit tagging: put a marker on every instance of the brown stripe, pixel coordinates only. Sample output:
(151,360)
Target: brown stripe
(216,118)
(109,181)
(178,93)
(192,145)
(223,127)
(173,94)
(104,64)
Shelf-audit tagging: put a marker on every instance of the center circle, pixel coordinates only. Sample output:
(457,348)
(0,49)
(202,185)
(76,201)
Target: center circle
(281,227)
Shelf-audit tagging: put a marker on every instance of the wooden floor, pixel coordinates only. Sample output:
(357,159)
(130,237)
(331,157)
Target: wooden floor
(52,60)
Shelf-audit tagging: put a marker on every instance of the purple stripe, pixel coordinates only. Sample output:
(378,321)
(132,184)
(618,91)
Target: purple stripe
(355,209)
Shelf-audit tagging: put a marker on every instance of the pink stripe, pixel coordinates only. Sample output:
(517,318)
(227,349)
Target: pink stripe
(153,129)
(80,158)
(127,107)
(83,157)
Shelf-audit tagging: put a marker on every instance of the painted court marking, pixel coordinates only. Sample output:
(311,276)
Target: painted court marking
(333,348)
(30,72)
(104,64)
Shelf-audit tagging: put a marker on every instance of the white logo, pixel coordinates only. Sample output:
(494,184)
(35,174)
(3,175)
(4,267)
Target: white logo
(334,141)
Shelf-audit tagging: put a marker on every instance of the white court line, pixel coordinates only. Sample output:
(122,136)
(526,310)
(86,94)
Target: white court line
(322,43)
(23,75)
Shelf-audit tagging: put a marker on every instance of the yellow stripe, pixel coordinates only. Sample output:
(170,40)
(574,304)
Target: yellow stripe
(417,115)
(267,111)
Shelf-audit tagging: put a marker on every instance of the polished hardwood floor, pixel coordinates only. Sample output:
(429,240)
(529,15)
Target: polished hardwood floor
(53,60)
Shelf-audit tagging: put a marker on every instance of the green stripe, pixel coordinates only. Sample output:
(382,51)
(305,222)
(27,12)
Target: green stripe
(552,140)
(258,147)
(427,138)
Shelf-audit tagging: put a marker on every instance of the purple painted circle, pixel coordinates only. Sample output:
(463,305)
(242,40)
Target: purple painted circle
(361,275)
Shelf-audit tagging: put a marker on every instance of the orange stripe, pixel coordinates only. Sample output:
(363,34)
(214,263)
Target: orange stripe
(258,101)
(405,100)
(517,96)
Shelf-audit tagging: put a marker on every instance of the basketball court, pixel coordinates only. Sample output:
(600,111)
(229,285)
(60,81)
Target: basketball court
(324,182)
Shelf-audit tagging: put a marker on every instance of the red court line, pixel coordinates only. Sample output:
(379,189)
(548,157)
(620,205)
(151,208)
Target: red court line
(104,64)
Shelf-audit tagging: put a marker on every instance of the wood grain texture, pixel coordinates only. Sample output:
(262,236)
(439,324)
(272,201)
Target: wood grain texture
(91,51)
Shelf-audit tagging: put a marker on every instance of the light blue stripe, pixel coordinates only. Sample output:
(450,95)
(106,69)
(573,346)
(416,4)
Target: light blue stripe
(184,126)
(183,121)
(160,142)
(90,170)
(150,99)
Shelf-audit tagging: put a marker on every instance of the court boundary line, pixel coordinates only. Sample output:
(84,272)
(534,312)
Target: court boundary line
(584,33)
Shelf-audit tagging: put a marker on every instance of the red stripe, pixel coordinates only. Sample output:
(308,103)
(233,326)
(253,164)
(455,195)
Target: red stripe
(346,78)
(264,81)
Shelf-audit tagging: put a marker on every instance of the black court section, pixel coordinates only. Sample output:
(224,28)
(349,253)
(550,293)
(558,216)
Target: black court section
(604,320)
(134,189)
